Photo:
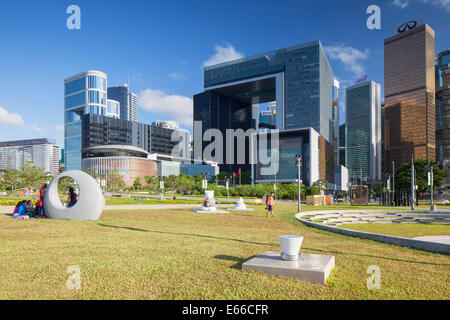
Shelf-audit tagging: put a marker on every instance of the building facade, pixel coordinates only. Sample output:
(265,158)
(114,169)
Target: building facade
(363,124)
(335,134)
(41,153)
(343,145)
(84,93)
(128,102)
(443,111)
(409,80)
(297,79)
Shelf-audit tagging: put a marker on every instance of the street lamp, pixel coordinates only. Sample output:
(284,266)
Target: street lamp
(299,164)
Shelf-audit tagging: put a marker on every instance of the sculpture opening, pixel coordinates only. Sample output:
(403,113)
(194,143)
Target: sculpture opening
(89,202)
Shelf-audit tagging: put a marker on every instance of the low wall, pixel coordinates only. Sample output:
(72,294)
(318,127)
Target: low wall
(400,241)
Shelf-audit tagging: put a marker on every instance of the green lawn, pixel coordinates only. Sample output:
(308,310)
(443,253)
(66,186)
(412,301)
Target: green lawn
(178,254)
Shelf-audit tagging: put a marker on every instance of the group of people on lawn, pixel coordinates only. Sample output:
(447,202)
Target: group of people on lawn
(26,210)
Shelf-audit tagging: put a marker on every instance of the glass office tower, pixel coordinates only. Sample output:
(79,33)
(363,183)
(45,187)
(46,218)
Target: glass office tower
(128,102)
(443,111)
(363,122)
(409,81)
(342,145)
(84,93)
(335,119)
(297,79)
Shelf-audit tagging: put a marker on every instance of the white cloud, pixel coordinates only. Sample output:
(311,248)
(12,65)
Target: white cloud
(58,128)
(35,128)
(401,3)
(10,118)
(178,76)
(173,107)
(223,54)
(441,4)
(352,58)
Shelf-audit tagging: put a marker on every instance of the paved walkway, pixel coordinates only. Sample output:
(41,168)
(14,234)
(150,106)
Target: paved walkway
(440,239)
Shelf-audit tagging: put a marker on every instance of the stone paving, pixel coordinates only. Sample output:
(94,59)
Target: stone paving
(339,218)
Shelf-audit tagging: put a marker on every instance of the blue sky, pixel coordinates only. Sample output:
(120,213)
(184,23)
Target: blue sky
(161,46)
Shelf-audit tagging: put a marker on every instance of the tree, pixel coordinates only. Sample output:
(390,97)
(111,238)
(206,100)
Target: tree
(137,185)
(12,178)
(422,167)
(115,181)
(152,183)
(321,186)
(33,176)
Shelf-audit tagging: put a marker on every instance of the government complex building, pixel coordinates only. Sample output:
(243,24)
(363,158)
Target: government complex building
(297,82)
(41,153)
(103,135)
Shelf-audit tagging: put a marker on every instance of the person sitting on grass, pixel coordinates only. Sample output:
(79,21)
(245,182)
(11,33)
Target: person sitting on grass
(16,209)
(22,211)
(72,197)
(31,210)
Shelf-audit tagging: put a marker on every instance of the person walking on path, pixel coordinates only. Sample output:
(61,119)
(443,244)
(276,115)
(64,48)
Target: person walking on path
(270,204)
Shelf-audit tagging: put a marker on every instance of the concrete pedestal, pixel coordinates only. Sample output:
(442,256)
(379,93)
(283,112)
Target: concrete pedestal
(310,267)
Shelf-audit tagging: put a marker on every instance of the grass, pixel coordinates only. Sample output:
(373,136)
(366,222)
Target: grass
(410,230)
(178,254)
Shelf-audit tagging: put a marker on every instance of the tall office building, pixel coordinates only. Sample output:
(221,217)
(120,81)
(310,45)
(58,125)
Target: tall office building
(443,111)
(298,79)
(363,121)
(409,80)
(84,93)
(335,120)
(128,102)
(342,145)
(42,153)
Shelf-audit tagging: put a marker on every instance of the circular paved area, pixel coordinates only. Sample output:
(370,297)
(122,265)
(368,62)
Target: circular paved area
(440,239)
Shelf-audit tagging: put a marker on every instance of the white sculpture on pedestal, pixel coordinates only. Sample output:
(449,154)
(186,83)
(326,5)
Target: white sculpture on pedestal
(290,247)
(209,204)
(90,201)
(240,206)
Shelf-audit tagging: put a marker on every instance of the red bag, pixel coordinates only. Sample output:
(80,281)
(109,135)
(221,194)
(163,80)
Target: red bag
(39,203)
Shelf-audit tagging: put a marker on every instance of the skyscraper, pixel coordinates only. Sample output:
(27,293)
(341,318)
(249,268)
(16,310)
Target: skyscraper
(363,121)
(298,78)
(409,79)
(128,102)
(443,110)
(84,93)
(335,119)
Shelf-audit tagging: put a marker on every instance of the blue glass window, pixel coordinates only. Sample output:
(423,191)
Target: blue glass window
(96,82)
(72,160)
(75,85)
(73,129)
(73,144)
(76,100)
(97,97)
(71,116)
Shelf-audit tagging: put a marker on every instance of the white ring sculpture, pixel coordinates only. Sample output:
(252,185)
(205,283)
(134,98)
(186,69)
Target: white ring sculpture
(90,202)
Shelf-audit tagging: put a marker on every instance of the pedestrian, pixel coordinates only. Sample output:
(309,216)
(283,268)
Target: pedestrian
(270,204)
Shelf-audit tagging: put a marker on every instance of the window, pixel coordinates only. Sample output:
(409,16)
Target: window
(75,86)
(96,82)
(76,100)
(71,116)
(97,97)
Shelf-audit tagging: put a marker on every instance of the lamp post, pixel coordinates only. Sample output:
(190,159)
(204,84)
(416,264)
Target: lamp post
(228,189)
(432,208)
(412,184)
(393,182)
(299,166)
